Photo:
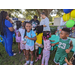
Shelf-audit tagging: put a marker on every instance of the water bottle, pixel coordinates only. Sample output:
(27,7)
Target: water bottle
(25,40)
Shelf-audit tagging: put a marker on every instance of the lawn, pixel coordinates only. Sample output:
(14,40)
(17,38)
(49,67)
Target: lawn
(19,59)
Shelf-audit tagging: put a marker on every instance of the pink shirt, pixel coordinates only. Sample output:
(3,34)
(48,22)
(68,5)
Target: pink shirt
(47,45)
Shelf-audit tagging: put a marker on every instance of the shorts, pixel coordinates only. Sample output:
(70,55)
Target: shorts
(31,48)
(22,46)
(38,45)
(59,63)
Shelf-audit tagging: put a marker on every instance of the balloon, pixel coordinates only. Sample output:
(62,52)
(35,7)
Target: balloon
(70,23)
(66,17)
(73,13)
(67,10)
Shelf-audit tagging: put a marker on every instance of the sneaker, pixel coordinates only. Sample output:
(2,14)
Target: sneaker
(26,64)
(14,54)
(31,63)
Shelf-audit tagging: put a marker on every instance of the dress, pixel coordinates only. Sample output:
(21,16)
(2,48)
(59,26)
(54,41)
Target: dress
(18,39)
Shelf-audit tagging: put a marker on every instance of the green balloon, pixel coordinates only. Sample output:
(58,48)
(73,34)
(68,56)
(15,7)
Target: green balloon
(70,23)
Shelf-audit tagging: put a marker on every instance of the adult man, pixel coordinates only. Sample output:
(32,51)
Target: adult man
(34,22)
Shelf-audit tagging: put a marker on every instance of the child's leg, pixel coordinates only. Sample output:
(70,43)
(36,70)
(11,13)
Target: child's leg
(19,47)
(47,57)
(31,62)
(36,54)
(40,52)
(27,55)
(43,58)
(32,50)
(36,51)
(24,51)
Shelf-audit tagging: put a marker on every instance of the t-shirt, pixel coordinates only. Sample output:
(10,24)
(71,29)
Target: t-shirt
(22,32)
(45,22)
(8,32)
(34,23)
(30,34)
(39,38)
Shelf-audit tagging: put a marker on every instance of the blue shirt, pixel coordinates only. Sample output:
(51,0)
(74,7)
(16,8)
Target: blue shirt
(30,34)
(8,25)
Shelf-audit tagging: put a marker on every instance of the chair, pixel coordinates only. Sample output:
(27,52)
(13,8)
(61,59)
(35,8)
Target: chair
(1,41)
(56,39)
(73,42)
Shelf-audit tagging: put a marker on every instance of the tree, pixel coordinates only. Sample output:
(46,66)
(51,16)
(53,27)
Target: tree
(12,12)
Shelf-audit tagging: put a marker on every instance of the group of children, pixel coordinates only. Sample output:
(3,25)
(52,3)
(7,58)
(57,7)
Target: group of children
(28,41)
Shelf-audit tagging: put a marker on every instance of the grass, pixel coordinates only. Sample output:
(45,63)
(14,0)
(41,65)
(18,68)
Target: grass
(19,59)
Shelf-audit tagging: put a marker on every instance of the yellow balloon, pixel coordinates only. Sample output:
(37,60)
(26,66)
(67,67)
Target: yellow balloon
(73,13)
(66,17)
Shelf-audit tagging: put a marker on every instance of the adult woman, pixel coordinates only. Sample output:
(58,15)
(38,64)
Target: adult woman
(45,22)
(6,30)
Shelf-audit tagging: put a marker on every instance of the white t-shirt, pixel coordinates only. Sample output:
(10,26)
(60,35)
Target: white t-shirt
(22,32)
(45,22)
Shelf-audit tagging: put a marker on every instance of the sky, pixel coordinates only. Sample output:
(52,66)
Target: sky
(20,15)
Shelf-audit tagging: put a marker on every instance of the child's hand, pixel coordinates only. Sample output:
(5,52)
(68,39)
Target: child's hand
(66,60)
(67,50)
(26,37)
(52,44)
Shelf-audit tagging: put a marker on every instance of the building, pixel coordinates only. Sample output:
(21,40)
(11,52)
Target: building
(16,19)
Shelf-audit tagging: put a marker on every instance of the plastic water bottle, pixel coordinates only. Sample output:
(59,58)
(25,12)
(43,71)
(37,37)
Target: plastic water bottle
(25,40)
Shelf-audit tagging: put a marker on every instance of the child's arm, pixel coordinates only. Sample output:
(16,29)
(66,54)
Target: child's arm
(31,38)
(71,46)
(54,44)
(19,34)
(52,40)
(67,61)
(15,34)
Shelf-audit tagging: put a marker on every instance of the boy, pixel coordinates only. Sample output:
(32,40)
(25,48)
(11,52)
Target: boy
(64,47)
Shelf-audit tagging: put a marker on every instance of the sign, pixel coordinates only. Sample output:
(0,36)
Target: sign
(62,22)
(59,21)
(14,18)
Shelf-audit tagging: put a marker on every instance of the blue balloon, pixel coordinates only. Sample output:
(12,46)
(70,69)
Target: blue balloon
(67,10)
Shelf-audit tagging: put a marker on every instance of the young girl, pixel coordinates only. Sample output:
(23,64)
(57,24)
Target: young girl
(18,39)
(38,43)
(30,36)
(21,33)
(47,47)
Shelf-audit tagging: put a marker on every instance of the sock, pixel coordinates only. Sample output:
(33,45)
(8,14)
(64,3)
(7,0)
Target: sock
(27,61)
(31,62)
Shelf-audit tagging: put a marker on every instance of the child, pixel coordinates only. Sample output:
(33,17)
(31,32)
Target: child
(21,33)
(64,47)
(30,36)
(38,43)
(72,60)
(47,47)
(18,39)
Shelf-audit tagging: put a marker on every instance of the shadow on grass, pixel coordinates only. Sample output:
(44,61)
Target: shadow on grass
(19,59)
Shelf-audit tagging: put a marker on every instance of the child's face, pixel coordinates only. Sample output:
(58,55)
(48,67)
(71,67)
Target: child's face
(22,25)
(28,27)
(63,34)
